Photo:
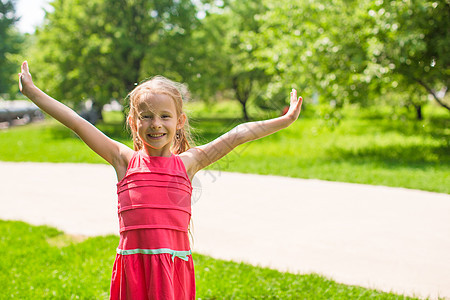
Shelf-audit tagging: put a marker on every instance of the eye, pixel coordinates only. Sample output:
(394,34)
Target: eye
(165,116)
(142,117)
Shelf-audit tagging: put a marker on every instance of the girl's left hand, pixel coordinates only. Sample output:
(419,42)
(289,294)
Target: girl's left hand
(295,106)
(25,80)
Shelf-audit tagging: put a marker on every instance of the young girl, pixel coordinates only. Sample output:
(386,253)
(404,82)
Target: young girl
(154,188)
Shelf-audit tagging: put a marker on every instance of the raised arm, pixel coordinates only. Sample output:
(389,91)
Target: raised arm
(199,157)
(113,152)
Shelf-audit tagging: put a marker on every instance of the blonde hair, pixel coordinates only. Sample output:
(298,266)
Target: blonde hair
(160,85)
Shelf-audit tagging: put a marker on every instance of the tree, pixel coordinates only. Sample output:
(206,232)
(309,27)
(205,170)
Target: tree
(356,51)
(10,41)
(227,60)
(206,58)
(100,49)
(413,39)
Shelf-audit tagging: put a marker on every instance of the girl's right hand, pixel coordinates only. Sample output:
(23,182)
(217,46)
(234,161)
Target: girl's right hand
(295,107)
(25,80)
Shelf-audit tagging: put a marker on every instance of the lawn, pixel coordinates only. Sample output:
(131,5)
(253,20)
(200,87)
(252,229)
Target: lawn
(368,146)
(40,262)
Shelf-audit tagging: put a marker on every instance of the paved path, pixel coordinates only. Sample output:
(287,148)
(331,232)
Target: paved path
(390,239)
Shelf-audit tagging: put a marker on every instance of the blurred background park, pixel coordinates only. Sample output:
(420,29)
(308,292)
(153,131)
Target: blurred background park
(373,74)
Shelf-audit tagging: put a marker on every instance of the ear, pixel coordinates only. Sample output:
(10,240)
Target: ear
(181,121)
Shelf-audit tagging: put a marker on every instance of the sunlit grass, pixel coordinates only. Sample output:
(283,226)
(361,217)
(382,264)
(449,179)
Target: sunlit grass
(40,262)
(367,147)
(348,154)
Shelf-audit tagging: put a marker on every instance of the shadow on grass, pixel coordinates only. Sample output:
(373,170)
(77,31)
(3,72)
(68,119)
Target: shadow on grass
(393,156)
(420,153)
(433,125)
(206,129)
(435,128)
(116,131)
(59,132)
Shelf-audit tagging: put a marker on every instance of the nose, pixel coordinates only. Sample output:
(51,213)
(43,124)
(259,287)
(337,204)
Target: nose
(156,123)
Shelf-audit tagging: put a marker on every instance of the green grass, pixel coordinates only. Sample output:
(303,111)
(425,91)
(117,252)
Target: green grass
(40,262)
(357,151)
(369,146)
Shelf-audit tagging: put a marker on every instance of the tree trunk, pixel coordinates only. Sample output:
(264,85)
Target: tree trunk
(244,112)
(419,115)
(242,93)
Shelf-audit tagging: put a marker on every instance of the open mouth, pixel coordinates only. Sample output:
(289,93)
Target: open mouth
(156,136)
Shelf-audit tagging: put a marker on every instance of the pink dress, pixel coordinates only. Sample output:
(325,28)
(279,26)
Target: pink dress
(154,260)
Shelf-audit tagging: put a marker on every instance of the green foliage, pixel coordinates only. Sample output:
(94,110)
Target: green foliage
(356,51)
(10,43)
(335,52)
(412,39)
(40,262)
(227,61)
(99,49)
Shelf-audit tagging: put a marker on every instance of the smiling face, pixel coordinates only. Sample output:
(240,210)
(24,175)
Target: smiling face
(156,123)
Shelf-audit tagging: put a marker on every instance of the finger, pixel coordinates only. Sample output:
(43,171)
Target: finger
(300,102)
(294,94)
(25,67)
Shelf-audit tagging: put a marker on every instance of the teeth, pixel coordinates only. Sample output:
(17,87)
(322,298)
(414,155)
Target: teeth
(156,135)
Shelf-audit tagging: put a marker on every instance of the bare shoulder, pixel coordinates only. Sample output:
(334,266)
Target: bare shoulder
(191,161)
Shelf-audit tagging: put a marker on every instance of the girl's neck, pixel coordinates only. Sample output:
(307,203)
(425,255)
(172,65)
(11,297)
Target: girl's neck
(157,152)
